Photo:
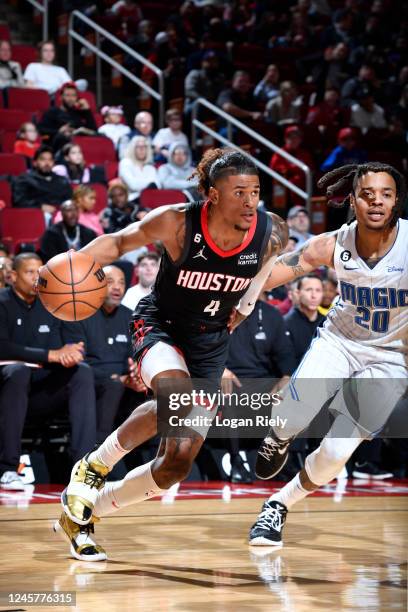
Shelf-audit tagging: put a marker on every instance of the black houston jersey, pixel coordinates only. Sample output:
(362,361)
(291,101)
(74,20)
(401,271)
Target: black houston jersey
(205,283)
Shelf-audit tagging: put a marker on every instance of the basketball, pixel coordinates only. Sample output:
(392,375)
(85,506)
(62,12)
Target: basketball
(72,286)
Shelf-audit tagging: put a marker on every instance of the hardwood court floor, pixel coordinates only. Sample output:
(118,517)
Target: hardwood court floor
(192,556)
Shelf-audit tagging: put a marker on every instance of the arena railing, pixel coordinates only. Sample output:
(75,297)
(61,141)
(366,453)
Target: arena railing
(43,9)
(232,122)
(100,34)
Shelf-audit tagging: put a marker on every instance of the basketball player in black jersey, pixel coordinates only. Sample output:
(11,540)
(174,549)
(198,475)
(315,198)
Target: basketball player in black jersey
(218,254)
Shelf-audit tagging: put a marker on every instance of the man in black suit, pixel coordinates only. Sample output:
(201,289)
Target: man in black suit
(31,336)
(67,234)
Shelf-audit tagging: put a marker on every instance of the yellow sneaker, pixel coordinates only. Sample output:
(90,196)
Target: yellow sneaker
(79,497)
(82,545)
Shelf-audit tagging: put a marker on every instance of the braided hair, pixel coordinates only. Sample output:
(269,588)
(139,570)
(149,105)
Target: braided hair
(344,180)
(217,163)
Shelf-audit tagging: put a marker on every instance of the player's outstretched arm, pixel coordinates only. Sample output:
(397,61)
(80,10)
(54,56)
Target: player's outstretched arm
(318,251)
(159,224)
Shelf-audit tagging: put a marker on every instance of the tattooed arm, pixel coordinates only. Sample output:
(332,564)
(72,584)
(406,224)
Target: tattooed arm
(277,242)
(318,251)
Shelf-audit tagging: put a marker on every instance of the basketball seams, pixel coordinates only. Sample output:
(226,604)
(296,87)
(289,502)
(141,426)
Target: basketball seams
(81,280)
(72,285)
(69,292)
(69,300)
(79,302)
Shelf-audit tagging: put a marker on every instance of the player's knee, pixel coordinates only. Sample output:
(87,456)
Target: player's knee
(335,450)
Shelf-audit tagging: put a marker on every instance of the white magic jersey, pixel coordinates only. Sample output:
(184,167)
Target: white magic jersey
(373,305)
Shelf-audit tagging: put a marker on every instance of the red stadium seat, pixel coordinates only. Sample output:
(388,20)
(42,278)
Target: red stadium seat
(28,99)
(96,150)
(20,225)
(101,196)
(11,119)
(152,198)
(5,192)
(25,54)
(7,140)
(4,32)
(12,164)
(111,170)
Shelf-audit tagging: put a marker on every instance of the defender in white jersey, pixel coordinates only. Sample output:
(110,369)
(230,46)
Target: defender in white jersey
(364,340)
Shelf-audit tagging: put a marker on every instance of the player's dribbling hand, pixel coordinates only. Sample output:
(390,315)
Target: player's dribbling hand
(68,355)
(228,380)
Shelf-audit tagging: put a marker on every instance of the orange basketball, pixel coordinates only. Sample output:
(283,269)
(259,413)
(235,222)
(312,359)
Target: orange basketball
(72,286)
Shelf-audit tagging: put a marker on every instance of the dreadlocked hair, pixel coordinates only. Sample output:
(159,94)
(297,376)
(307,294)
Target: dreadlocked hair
(216,163)
(343,182)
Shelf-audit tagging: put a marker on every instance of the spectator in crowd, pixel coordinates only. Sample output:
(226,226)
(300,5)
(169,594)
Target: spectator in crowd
(45,74)
(84,198)
(258,348)
(143,126)
(170,134)
(239,100)
(329,294)
(66,234)
(118,213)
(400,109)
(288,169)
(108,351)
(4,250)
(335,68)
(268,87)
(206,82)
(147,269)
(40,187)
(299,224)
(130,13)
(302,321)
(329,113)
(365,113)
(284,108)
(73,167)
(113,127)
(136,169)
(28,140)
(366,78)
(30,334)
(176,174)
(6,265)
(73,116)
(10,71)
(347,151)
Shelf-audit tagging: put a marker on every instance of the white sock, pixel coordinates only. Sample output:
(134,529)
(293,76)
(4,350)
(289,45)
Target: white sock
(137,486)
(109,452)
(291,493)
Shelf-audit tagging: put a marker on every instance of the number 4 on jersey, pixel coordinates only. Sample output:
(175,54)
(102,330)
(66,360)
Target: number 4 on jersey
(213,307)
